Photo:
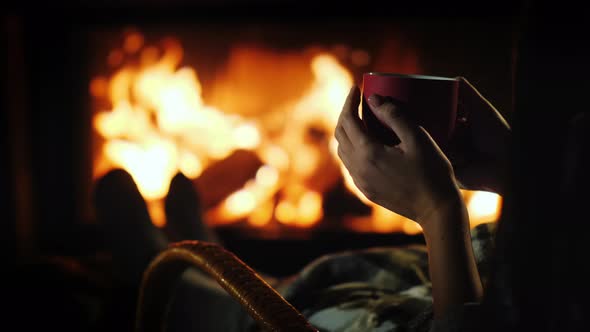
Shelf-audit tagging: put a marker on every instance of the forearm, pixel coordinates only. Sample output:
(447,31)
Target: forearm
(453,271)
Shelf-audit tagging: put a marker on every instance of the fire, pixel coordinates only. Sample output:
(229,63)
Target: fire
(158,124)
(151,164)
(309,209)
(483,207)
(240,203)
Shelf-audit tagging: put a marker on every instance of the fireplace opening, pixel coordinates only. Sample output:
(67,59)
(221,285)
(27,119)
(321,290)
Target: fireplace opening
(254,131)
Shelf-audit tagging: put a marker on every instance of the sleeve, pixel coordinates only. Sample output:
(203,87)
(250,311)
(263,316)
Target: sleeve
(462,319)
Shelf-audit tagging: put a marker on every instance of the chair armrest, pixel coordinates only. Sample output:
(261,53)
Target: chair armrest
(268,308)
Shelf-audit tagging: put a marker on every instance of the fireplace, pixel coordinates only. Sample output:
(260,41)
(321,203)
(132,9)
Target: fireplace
(243,105)
(255,132)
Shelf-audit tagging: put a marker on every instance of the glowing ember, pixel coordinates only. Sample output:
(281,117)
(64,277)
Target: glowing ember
(158,125)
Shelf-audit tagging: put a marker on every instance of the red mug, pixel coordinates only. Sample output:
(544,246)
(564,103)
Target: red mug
(430,100)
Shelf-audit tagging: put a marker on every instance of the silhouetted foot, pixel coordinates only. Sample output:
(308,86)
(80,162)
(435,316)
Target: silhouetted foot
(130,234)
(184,219)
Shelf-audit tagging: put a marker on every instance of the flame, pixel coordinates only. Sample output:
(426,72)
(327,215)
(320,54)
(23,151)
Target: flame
(286,212)
(309,209)
(383,220)
(267,176)
(189,164)
(262,216)
(133,42)
(157,212)
(150,165)
(186,136)
(240,203)
(246,136)
(159,124)
(276,156)
(483,207)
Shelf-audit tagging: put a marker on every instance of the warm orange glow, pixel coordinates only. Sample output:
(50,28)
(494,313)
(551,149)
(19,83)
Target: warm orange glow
(286,212)
(150,164)
(99,87)
(262,215)
(306,162)
(158,124)
(240,203)
(309,209)
(360,58)
(133,42)
(246,136)
(267,176)
(149,56)
(190,165)
(483,207)
(115,58)
(385,221)
(275,156)
(411,227)
(157,212)
(186,136)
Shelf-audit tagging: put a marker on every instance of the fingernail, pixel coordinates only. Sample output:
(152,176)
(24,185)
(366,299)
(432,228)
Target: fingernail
(376,100)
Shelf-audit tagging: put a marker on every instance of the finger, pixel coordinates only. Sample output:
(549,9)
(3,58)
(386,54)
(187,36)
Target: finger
(345,151)
(428,140)
(345,155)
(392,116)
(347,104)
(472,96)
(350,121)
(341,137)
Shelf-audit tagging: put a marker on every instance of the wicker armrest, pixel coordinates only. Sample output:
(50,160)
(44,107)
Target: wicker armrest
(263,303)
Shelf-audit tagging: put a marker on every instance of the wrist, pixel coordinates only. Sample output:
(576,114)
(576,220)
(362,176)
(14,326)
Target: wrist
(447,217)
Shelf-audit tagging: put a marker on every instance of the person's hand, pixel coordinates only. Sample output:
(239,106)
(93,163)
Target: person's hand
(479,148)
(413,179)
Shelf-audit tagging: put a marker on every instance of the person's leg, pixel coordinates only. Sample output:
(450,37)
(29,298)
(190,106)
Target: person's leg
(183,213)
(130,236)
(199,304)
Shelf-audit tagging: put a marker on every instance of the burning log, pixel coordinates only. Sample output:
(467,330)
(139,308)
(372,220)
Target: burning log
(226,176)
